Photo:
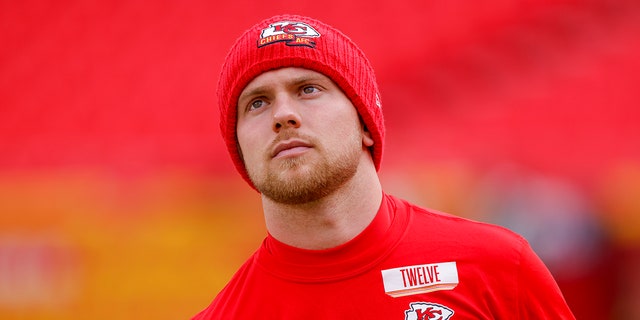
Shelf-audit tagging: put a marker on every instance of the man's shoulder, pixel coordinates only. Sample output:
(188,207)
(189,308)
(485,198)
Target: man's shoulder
(226,301)
(444,227)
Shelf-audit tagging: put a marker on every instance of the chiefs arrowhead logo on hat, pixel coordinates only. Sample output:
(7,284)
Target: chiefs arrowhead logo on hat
(289,32)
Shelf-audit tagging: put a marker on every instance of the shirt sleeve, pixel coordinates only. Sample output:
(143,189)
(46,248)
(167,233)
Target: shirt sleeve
(539,294)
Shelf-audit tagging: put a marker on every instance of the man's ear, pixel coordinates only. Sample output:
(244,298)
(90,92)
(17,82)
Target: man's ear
(367,141)
(240,151)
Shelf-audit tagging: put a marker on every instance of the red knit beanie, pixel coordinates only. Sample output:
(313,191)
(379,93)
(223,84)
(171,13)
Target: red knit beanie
(298,41)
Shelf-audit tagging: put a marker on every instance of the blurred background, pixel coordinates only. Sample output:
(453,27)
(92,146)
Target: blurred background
(118,199)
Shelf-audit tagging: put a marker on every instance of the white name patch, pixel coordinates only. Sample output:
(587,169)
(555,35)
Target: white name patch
(417,279)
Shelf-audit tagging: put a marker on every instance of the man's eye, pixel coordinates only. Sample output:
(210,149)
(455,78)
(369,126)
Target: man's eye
(309,90)
(256,104)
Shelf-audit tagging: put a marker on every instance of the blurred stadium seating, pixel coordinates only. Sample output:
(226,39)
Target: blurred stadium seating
(118,200)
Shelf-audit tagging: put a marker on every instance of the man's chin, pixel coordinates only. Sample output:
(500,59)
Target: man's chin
(297,185)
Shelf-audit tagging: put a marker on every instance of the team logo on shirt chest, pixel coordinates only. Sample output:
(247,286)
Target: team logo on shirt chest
(427,311)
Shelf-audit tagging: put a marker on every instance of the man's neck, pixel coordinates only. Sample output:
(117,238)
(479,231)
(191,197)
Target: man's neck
(330,221)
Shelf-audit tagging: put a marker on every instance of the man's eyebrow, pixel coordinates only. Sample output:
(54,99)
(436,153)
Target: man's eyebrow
(305,78)
(257,91)
(261,90)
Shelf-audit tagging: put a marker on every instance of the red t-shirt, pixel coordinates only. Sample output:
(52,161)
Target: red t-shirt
(409,263)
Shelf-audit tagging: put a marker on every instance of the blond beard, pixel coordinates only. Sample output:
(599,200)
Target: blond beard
(324,178)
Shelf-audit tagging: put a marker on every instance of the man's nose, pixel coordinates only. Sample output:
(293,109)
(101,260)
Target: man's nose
(285,113)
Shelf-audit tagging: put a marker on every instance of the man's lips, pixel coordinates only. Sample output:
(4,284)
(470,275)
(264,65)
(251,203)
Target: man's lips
(289,147)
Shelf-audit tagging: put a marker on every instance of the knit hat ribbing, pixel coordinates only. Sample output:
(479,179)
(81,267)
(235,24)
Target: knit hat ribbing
(298,41)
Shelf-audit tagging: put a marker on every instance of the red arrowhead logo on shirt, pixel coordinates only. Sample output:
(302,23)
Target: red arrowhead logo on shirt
(427,311)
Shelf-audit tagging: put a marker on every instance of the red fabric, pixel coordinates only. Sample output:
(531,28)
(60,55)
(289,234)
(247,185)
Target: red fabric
(271,44)
(500,277)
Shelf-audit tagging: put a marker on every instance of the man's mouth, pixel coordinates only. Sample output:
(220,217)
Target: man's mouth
(290,148)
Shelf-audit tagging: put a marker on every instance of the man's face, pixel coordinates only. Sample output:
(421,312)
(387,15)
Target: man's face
(299,135)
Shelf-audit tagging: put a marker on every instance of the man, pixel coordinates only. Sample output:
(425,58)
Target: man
(302,120)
